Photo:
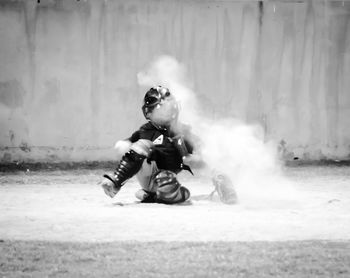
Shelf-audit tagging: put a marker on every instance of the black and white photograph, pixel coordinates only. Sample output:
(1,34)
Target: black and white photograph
(175,138)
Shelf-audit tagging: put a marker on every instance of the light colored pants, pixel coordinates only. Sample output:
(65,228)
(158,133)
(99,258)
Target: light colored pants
(146,175)
(168,190)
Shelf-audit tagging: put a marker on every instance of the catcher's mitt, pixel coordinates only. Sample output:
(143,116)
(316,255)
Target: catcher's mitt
(225,189)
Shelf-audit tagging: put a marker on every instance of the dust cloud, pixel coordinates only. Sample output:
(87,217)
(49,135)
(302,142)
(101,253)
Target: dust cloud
(226,145)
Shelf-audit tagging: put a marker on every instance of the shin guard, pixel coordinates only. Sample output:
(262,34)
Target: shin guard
(128,166)
(169,190)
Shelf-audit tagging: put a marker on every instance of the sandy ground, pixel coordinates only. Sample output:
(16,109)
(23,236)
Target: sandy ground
(69,206)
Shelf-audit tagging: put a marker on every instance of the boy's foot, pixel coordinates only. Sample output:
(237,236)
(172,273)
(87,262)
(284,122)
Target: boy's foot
(146,196)
(225,189)
(109,187)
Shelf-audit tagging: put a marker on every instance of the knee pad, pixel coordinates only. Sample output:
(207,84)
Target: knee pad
(169,190)
(142,147)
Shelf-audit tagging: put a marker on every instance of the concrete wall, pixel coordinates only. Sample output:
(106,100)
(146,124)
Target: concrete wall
(68,87)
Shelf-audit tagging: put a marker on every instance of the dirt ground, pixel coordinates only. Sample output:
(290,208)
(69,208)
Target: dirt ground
(69,206)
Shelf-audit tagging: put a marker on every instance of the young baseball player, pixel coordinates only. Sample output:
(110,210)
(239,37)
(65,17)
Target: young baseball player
(155,154)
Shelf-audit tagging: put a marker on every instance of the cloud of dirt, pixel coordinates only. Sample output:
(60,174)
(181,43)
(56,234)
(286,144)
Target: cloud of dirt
(227,145)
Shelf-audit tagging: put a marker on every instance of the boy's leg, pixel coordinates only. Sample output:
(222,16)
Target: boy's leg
(145,177)
(129,165)
(160,186)
(169,190)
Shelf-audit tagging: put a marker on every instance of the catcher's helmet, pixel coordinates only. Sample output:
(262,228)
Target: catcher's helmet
(153,97)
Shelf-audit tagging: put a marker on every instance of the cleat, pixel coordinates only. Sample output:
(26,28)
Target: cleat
(109,188)
(146,196)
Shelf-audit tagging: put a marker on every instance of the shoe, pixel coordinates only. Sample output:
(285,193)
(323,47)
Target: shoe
(146,196)
(109,188)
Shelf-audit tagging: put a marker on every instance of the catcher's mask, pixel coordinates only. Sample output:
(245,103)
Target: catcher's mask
(153,98)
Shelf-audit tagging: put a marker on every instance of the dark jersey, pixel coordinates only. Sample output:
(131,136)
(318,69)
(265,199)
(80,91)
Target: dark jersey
(168,146)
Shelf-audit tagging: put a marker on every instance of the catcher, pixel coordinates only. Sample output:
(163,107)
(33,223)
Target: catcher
(155,154)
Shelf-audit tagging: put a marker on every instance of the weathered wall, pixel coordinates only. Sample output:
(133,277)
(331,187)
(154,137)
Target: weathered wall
(68,68)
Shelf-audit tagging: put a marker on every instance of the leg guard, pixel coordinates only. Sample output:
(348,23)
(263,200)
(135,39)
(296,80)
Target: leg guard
(128,166)
(169,190)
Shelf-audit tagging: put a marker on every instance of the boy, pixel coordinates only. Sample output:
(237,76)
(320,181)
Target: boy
(155,154)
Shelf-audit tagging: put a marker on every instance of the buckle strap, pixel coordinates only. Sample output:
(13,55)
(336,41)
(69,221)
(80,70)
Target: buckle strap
(187,168)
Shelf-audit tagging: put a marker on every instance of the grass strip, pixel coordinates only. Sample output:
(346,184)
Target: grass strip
(175,259)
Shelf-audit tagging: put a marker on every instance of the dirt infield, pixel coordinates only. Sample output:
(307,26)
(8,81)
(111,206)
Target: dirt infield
(69,206)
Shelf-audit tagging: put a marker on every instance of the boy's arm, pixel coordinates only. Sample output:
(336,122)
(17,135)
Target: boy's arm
(191,146)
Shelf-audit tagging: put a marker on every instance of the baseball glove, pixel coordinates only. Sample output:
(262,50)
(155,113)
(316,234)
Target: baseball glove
(225,189)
